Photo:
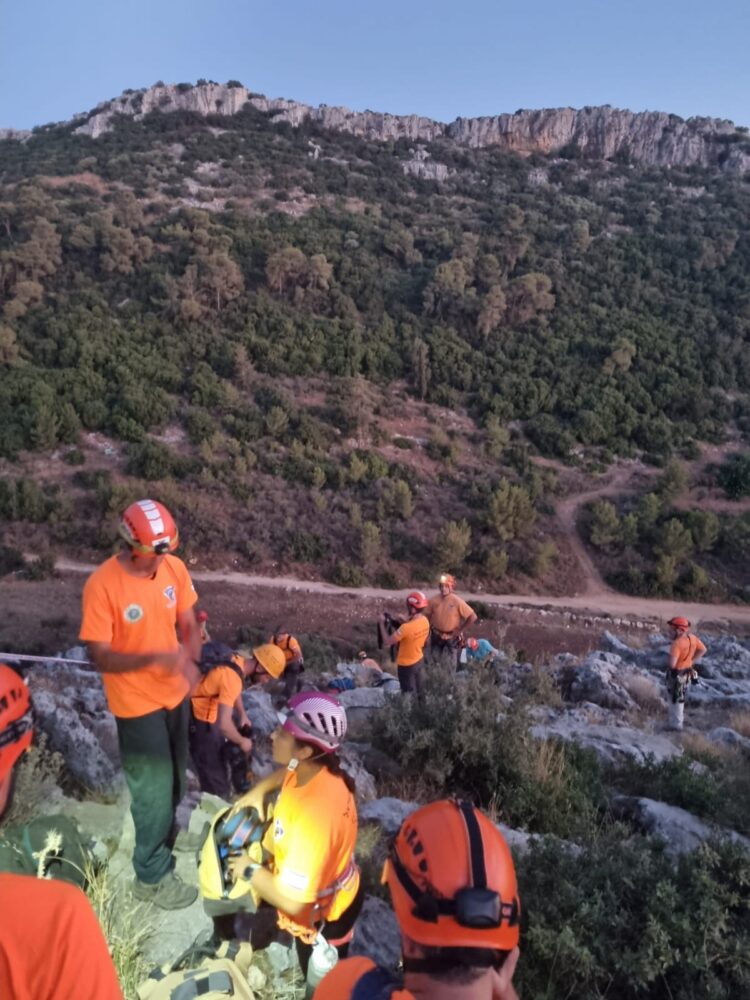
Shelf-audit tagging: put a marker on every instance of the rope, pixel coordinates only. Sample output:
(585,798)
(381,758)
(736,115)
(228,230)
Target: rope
(45,659)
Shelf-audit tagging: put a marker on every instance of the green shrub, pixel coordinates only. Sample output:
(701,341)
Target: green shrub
(478,751)
(621,920)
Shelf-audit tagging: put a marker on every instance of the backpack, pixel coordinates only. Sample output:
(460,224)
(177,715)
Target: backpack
(220,973)
(46,847)
(218,654)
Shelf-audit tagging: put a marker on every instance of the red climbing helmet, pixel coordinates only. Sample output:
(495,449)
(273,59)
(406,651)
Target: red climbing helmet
(15,719)
(452,879)
(679,623)
(416,600)
(149,528)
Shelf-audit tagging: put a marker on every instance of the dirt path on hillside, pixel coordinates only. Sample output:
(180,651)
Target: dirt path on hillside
(592,586)
(593,604)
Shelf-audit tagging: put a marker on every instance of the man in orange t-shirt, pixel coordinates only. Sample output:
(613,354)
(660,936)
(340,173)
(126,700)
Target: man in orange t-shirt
(134,605)
(449,615)
(51,946)
(684,653)
(411,638)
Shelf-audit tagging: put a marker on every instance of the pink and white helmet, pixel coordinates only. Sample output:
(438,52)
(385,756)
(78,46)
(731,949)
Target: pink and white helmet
(317,718)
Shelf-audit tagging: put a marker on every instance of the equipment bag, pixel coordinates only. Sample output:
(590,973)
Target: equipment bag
(222,975)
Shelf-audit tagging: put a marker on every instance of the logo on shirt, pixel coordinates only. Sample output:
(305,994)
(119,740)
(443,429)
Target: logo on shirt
(170,594)
(278,830)
(133,613)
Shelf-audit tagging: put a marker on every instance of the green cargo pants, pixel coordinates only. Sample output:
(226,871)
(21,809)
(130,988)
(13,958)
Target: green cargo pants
(154,758)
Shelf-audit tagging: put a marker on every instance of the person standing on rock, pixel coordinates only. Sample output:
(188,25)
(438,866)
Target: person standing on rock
(51,945)
(453,887)
(134,606)
(449,616)
(411,638)
(684,653)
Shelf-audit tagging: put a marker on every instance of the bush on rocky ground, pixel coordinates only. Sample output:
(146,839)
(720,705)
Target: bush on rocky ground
(622,920)
(714,786)
(482,750)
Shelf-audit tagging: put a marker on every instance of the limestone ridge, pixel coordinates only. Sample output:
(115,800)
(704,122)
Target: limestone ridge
(649,137)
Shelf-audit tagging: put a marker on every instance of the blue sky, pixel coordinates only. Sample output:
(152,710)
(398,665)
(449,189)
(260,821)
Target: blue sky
(440,59)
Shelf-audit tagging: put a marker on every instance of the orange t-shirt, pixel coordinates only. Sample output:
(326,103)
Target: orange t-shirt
(220,686)
(288,645)
(340,982)
(412,636)
(312,839)
(447,613)
(51,945)
(138,615)
(685,648)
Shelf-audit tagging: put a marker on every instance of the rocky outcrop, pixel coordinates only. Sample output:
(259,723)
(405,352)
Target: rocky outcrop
(680,830)
(599,133)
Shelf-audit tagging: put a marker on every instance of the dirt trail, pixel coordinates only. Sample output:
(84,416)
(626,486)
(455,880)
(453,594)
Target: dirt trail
(608,603)
(593,586)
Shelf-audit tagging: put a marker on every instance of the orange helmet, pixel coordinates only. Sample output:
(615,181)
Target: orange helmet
(149,528)
(452,879)
(416,600)
(15,719)
(679,622)
(447,580)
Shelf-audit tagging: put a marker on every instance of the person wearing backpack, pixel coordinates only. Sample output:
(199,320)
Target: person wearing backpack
(684,653)
(51,944)
(453,887)
(313,879)
(220,748)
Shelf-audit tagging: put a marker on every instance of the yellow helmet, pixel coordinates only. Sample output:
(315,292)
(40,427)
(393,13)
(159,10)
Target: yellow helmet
(271,658)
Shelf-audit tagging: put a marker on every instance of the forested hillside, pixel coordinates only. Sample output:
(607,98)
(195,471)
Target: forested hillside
(235,305)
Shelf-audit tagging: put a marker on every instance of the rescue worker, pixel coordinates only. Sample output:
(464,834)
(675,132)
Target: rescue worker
(51,945)
(480,651)
(134,606)
(449,617)
(686,650)
(295,661)
(453,888)
(411,638)
(220,747)
(313,881)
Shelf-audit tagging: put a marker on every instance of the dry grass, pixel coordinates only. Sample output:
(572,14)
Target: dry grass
(126,925)
(698,746)
(644,692)
(546,763)
(740,723)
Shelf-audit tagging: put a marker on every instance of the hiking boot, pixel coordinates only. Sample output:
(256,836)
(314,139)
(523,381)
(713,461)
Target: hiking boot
(170,893)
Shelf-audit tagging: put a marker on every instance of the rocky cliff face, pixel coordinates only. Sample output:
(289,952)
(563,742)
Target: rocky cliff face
(651,137)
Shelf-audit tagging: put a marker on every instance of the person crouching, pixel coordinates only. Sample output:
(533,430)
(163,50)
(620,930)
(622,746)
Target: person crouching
(213,732)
